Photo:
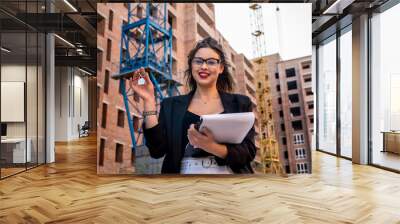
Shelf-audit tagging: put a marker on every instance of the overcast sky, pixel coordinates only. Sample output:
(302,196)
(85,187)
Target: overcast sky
(292,38)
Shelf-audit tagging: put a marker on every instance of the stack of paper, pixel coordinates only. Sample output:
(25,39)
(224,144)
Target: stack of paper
(228,128)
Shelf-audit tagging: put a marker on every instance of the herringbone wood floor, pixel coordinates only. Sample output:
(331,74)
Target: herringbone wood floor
(69,191)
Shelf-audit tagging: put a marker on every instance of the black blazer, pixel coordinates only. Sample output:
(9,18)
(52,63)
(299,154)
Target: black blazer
(164,139)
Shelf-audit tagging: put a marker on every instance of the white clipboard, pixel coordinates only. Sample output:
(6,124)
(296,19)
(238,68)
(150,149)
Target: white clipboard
(228,128)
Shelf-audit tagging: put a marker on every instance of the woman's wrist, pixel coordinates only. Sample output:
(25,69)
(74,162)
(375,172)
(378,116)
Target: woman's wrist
(219,150)
(149,99)
(150,105)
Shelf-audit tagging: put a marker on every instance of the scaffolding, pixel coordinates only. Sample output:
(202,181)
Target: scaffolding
(269,148)
(146,41)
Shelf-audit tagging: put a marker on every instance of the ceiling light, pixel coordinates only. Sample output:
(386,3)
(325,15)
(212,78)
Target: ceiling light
(5,50)
(70,5)
(338,6)
(86,72)
(64,40)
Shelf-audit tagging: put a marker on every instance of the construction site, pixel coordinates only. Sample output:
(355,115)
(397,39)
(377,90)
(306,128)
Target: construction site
(120,138)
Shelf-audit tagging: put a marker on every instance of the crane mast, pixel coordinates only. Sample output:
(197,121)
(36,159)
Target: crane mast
(269,148)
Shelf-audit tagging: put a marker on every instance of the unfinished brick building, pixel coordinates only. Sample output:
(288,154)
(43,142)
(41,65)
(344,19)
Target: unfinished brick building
(293,110)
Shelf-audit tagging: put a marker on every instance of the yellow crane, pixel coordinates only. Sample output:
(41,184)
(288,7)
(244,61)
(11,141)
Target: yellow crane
(269,147)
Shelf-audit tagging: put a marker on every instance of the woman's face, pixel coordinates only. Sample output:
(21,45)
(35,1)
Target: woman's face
(206,67)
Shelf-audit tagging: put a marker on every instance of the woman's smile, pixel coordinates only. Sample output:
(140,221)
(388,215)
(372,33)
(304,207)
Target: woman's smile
(203,74)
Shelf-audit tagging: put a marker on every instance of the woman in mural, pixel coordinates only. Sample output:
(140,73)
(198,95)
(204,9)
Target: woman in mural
(173,134)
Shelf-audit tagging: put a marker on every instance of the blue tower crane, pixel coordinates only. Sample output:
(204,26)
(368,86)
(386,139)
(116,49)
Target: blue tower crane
(146,41)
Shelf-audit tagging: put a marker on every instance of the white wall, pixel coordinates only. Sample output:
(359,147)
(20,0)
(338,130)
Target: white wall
(33,126)
(61,103)
(16,73)
(71,94)
(81,102)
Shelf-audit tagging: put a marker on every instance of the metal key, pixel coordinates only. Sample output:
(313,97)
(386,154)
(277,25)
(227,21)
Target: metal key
(141,81)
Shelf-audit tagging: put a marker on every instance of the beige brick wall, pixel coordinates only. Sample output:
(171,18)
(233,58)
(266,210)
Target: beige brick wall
(112,133)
